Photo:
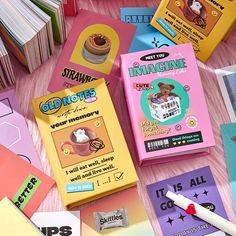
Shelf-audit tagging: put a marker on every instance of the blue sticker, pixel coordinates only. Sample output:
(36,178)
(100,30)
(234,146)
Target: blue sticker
(80,187)
(166,27)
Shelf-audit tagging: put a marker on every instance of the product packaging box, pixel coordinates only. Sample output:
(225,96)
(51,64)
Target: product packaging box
(205,23)
(166,104)
(197,185)
(84,143)
(146,36)
(21,182)
(92,51)
(14,131)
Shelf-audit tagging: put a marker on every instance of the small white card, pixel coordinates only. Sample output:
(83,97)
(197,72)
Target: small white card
(227,81)
(58,223)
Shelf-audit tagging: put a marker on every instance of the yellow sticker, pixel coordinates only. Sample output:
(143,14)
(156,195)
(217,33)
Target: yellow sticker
(177,3)
(66,151)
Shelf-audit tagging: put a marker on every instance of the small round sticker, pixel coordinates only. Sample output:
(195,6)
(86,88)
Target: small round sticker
(178,127)
(214,13)
(66,151)
(97,123)
(177,3)
(191,122)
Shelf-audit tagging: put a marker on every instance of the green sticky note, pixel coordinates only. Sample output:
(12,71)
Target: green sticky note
(26,191)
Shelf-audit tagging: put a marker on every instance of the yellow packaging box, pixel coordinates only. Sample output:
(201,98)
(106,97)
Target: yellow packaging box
(205,23)
(84,143)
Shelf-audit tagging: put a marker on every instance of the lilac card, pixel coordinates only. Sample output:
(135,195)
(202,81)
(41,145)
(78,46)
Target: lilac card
(14,133)
(197,185)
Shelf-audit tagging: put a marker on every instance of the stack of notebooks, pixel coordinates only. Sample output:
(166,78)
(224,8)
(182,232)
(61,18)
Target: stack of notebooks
(28,31)
(7,77)
(54,9)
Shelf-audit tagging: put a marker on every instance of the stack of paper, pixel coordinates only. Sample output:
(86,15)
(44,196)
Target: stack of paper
(27,31)
(13,222)
(7,77)
(54,9)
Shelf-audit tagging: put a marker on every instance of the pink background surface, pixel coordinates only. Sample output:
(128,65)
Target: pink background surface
(35,85)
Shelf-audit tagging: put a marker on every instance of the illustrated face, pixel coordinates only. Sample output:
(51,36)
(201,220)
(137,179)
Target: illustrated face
(165,89)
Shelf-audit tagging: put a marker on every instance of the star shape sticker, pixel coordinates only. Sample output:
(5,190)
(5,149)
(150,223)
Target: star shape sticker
(205,192)
(169,221)
(181,217)
(196,195)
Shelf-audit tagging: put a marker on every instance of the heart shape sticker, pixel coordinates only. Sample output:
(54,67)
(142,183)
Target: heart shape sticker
(191,209)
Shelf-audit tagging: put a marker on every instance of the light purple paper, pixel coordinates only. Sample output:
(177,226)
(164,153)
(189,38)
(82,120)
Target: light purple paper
(14,133)
(197,185)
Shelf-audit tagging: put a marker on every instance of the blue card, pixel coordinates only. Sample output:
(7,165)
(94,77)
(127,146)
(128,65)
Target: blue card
(229,142)
(146,37)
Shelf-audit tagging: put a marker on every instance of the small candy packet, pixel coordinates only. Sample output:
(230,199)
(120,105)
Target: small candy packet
(112,219)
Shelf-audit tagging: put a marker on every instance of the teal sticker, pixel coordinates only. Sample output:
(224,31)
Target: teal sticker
(26,191)
(80,187)
(166,110)
(166,27)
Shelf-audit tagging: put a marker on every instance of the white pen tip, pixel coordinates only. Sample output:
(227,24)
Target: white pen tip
(171,195)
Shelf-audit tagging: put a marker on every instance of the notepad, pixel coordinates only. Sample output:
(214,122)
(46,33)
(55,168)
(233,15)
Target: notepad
(166,103)
(24,184)
(14,222)
(197,185)
(84,143)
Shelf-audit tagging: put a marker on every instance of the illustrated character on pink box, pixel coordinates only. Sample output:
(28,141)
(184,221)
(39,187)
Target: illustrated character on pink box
(164,94)
(164,104)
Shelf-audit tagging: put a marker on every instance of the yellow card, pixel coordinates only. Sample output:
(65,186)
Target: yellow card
(204,23)
(14,222)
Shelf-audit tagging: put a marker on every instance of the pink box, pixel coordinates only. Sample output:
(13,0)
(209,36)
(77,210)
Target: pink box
(166,104)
